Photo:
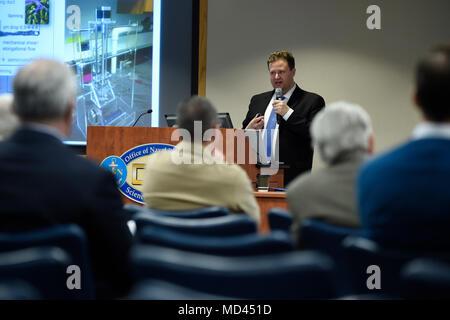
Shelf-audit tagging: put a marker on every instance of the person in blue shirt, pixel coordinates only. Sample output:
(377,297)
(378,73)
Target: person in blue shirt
(404,195)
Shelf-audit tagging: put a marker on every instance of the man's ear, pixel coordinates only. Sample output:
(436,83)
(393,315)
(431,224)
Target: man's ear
(293,72)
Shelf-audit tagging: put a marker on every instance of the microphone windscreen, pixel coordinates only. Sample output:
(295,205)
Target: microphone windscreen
(278,93)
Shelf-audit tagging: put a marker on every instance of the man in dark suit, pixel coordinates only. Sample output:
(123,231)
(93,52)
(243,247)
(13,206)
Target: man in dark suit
(43,183)
(288,116)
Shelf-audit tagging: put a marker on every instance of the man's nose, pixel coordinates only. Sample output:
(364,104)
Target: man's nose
(277,75)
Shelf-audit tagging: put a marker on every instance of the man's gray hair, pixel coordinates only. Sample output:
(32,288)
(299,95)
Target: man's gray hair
(196,109)
(8,120)
(43,90)
(340,127)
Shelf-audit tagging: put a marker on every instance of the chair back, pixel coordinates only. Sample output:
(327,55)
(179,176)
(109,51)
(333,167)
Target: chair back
(293,275)
(323,236)
(220,226)
(279,219)
(71,238)
(365,257)
(426,279)
(206,212)
(13,289)
(238,245)
(163,290)
(43,268)
(326,238)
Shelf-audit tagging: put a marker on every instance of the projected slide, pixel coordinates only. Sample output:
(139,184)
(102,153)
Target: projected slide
(108,43)
(21,41)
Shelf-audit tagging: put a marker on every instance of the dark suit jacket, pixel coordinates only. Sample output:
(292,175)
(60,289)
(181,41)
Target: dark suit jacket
(43,183)
(294,136)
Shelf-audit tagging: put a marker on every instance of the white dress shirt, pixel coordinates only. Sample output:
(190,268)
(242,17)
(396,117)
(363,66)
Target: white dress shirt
(431,130)
(269,109)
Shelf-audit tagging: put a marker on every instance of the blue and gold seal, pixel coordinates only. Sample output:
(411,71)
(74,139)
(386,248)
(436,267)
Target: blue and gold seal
(117,167)
(129,168)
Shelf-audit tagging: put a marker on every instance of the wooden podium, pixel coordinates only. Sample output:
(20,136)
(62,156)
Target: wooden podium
(103,142)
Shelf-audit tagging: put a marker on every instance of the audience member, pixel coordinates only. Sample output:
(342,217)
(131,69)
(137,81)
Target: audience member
(8,120)
(171,185)
(403,195)
(45,184)
(342,134)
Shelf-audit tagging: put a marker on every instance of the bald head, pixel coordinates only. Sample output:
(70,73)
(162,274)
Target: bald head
(44,90)
(8,121)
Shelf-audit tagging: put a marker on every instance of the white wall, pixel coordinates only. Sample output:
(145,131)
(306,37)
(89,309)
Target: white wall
(336,55)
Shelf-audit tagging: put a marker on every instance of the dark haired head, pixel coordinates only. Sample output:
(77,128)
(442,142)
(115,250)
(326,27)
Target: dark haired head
(433,84)
(196,109)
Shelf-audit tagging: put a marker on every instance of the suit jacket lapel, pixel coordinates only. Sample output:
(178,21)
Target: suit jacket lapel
(295,98)
(266,101)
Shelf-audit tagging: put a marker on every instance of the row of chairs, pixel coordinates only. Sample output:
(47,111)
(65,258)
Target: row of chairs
(291,275)
(34,264)
(354,254)
(69,241)
(224,234)
(176,252)
(279,219)
(223,257)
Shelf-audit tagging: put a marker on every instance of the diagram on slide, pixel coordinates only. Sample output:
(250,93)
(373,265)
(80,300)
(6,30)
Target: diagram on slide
(37,12)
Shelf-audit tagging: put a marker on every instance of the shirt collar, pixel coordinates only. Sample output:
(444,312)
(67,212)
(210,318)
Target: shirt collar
(431,130)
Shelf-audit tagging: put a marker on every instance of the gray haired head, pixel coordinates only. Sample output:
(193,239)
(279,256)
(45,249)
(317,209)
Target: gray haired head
(196,110)
(340,127)
(8,120)
(43,90)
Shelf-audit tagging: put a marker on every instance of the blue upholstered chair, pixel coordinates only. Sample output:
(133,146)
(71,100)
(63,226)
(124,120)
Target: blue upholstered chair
(206,212)
(239,245)
(219,226)
(426,279)
(163,290)
(11,289)
(293,275)
(361,253)
(279,219)
(325,237)
(43,268)
(71,238)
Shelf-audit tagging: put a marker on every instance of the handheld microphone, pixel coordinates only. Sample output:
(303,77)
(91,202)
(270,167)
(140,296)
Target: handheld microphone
(148,111)
(278,96)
